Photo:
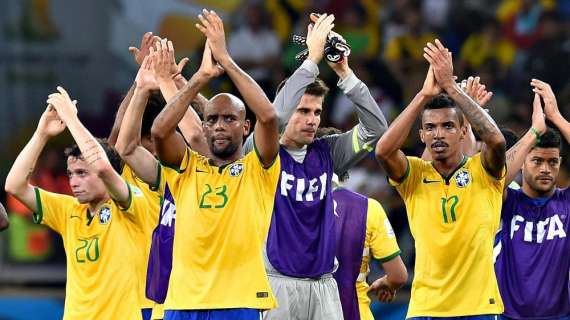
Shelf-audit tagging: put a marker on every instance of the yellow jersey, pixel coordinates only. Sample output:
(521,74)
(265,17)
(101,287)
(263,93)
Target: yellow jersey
(380,243)
(453,222)
(144,237)
(101,253)
(222,219)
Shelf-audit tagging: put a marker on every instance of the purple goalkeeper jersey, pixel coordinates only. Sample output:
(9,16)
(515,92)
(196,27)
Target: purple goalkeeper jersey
(351,210)
(160,256)
(301,239)
(533,260)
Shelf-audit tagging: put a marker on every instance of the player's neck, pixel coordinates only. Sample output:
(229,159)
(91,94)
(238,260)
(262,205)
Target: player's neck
(97,203)
(447,166)
(533,194)
(219,162)
(290,143)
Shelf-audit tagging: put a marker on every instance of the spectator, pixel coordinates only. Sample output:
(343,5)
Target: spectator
(255,47)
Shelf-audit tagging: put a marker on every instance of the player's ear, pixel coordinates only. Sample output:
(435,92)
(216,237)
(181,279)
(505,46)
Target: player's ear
(246,127)
(463,132)
(421,132)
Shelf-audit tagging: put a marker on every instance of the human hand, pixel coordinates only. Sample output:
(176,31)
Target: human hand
(50,124)
(317,35)
(383,290)
(66,109)
(477,91)
(538,118)
(212,26)
(440,59)
(146,79)
(550,105)
(147,42)
(209,67)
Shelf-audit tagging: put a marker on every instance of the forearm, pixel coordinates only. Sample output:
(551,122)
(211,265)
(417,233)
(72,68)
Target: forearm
(23,167)
(251,92)
(168,89)
(480,120)
(130,134)
(372,122)
(191,129)
(91,151)
(516,155)
(288,97)
(199,103)
(395,137)
(112,139)
(166,122)
(563,126)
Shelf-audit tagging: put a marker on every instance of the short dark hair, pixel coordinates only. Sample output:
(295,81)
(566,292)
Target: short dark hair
(154,106)
(443,101)
(327,131)
(112,154)
(511,137)
(317,88)
(550,139)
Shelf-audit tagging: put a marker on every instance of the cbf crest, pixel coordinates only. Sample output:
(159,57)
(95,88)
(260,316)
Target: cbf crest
(104,215)
(236,169)
(462,178)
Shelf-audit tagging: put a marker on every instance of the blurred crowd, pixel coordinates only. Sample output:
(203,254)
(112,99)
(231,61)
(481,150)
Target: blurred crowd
(506,43)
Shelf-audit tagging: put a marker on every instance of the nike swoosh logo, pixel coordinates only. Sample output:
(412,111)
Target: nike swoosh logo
(430,181)
(78,217)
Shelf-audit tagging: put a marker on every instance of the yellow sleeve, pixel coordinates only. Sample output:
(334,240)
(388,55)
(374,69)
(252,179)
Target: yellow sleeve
(266,177)
(411,178)
(480,171)
(54,209)
(265,181)
(171,175)
(138,206)
(383,242)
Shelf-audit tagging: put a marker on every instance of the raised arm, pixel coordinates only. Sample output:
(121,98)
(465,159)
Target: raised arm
(352,146)
(551,107)
(4,222)
(129,147)
(517,153)
(170,145)
(139,55)
(91,150)
(388,147)
(112,139)
(266,128)
(17,181)
(288,97)
(165,69)
(493,151)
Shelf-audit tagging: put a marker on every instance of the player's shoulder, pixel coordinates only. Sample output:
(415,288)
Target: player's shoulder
(418,163)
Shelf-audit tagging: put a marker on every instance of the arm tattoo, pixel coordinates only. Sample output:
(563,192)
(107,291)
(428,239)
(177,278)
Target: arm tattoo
(480,120)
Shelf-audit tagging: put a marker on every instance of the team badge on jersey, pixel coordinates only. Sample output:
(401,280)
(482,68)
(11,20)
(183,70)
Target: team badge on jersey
(104,215)
(462,178)
(236,169)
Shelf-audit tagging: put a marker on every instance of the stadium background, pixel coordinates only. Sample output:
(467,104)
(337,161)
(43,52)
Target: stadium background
(82,45)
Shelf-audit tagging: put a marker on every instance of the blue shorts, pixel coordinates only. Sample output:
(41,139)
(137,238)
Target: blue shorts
(146,313)
(218,314)
(479,317)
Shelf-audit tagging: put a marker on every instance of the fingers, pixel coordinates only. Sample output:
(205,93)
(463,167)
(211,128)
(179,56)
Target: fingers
(182,64)
(134,51)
